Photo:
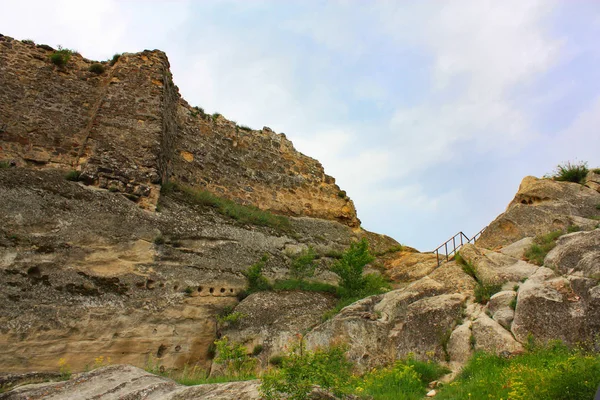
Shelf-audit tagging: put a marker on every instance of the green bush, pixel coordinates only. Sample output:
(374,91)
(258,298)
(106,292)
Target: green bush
(231,319)
(542,244)
(216,115)
(571,172)
(4,164)
(350,269)
(466,266)
(245,128)
(72,176)
(552,372)
(254,277)
(61,56)
(303,264)
(573,228)
(234,357)
(257,349)
(301,369)
(97,68)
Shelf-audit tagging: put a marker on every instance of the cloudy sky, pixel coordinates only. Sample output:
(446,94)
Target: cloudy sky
(428,113)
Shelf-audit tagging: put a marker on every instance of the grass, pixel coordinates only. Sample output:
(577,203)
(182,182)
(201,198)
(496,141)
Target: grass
(404,380)
(216,115)
(573,228)
(245,128)
(571,172)
(596,170)
(192,375)
(466,266)
(97,68)
(114,59)
(4,164)
(550,372)
(542,244)
(241,213)
(483,290)
(598,206)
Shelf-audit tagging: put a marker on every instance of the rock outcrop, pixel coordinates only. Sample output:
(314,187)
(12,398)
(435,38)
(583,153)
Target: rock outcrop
(128,129)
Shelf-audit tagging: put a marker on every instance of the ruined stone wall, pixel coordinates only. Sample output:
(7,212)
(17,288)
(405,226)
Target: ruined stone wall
(128,130)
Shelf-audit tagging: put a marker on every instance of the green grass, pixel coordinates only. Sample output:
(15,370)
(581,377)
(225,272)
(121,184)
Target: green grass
(571,172)
(72,176)
(6,164)
(216,115)
(114,59)
(404,380)
(553,372)
(193,375)
(241,213)
(485,290)
(245,128)
(542,244)
(598,206)
(573,228)
(466,266)
(596,170)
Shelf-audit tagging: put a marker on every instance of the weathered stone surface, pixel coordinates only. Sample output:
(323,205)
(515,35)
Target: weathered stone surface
(128,129)
(504,317)
(551,307)
(459,345)
(501,300)
(592,180)
(408,266)
(83,274)
(576,254)
(541,206)
(518,248)
(490,336)
(127,382)
(274,320)
(496,267)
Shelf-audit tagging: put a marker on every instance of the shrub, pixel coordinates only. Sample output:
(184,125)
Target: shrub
(513,304)
(571,172)
(598,206)
(301,369)
(235,358)
(257,349)
(350,269)
(189,290)
(596,170)
(552,372)
(256,280)
(342,194)
(114,59)
(573,228)
(61,56)
(97,68)
(216,115)
(276,360)
(4,164)
(64,369)
(466,266)
(542,244)
(72,176)
(159,239)
(245,128)
(230,317)
(303,264)
(484,290)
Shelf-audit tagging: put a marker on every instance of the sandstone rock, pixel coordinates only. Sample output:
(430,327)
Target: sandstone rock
(491,337)
(592,180)
(496,267)
(576,254)
(549,307)
(410,266)
(274,319)
(459,346)
(127,382)
(501,300)
(541,206)
(504,317)
(518,248)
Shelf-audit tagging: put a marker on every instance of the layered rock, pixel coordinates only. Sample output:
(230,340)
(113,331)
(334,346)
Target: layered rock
(129,130)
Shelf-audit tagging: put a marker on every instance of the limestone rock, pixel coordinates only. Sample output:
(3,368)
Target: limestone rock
(592,180)
(459,346)
(410,266)
(496,267)
(576,254)
(128,382)
(541,206)
(501,300)
(518,248)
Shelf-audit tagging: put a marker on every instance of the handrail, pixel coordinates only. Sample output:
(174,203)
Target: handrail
(455,244)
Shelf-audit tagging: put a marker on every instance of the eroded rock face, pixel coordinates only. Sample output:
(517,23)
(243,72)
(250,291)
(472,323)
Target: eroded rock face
(127,129)
(541,206)
(85,272)
(576,254)
(493,267)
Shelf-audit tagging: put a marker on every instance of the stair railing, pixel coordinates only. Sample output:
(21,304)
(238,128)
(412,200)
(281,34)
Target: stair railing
(454,244)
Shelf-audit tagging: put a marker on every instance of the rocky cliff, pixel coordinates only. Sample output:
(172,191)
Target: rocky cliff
(128,129)
(91,267)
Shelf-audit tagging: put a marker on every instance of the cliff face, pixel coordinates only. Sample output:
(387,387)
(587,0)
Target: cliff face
(129,130)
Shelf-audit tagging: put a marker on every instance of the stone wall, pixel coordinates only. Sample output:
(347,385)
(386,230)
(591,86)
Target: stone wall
(127,129)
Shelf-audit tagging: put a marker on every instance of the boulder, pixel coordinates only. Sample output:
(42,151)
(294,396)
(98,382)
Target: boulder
(128,382)
(459,346)
(492,337)
(494,267)
(518,248)
(541,206)
(592,180)
(501,300)
(551,307)
(576,254)
(408,266)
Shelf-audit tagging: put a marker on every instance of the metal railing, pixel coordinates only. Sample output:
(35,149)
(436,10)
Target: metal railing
(458,240)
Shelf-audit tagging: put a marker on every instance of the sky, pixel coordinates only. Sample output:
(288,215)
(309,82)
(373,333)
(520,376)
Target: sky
(428,113)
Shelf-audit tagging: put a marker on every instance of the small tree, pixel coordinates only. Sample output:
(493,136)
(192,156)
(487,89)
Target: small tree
(256,280)
(235,358)
(350,269)
(303,264)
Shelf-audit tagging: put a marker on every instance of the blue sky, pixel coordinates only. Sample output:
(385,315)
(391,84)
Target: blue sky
(427,113)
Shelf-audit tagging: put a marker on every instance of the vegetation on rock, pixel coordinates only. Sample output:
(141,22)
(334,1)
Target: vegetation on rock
(303,264)
(483,290)
(61,56)
(97,68)
(542,244)
(571,172)
(235,359)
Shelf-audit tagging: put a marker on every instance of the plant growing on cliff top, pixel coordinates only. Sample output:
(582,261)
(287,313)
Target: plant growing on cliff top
(571,172)
(97,68)
(114,59)
(61,56)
